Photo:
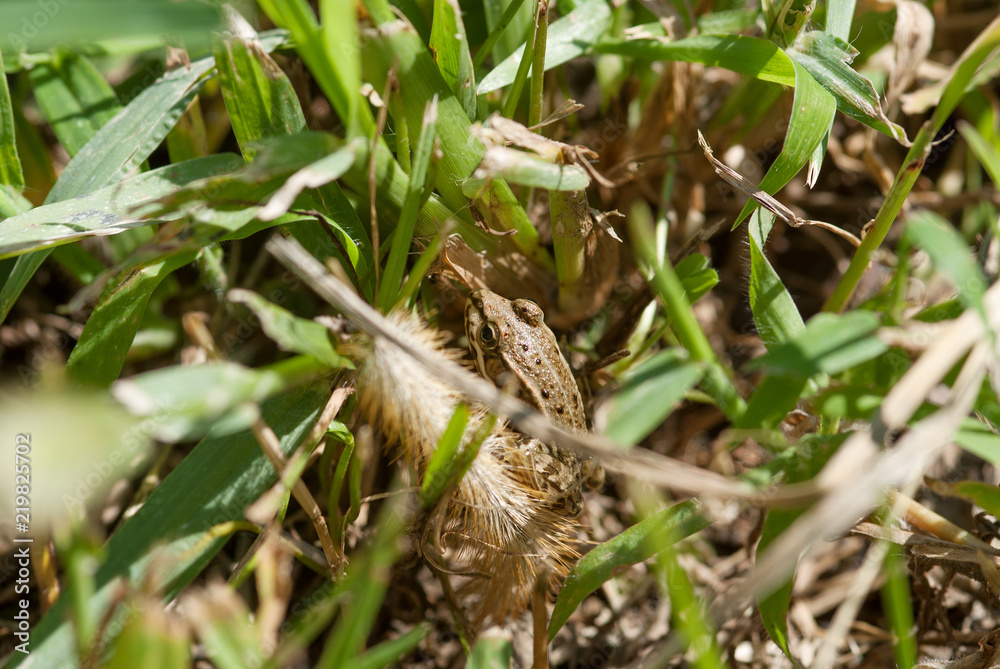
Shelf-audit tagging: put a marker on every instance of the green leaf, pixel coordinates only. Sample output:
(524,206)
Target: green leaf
(99,355)
(830,344)
(981,494)
(639,542)
(696,276)
(979,439)
(569,37)
(450,46)
(774,312)
(168,537)
(747,55)
(290,332)
(109,210)
(649,392)
(950,255)
(828,58)
(10,165)
(853,402)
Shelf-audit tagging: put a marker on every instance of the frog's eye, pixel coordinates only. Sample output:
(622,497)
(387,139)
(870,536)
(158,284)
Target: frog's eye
(488,335)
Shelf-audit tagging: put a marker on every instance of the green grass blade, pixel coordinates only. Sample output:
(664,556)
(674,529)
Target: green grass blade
(812,114)
(291,333)
(491,652)
(666,283)
(569,37)
(649,393)
(108,210)
(337,79)
(639,542)
(439,473)
(366,581)
(980,54)
(259,97)
(450,46)
(899,609)
(829,345)
(389,653)
(397,44)
(396,265)
(169,533)
(774,312)
(75,98)
(11,176)
(497,31)
(99,355)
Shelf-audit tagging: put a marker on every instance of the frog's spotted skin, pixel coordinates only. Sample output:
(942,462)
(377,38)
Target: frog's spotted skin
(512,345)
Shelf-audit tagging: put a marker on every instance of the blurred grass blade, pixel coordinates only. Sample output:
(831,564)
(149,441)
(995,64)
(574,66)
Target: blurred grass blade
(169,533)
(806,460)
(812,114)
(981,494)
(390,653)
(10,165)
(774,312)
(986,153)
(450,46)
(403,236)
(365,584)
(75,98)
(639,542)
(950,255)
(151,637)
(35,26)
(291,333)
(492,651)
(569,37)
(839,15)
(649,393)
(99,354)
